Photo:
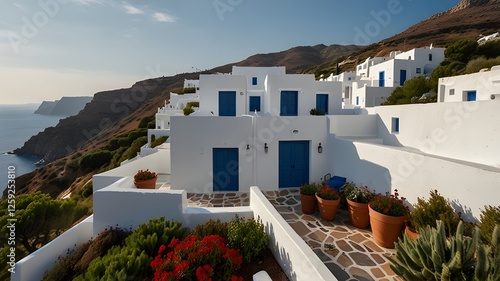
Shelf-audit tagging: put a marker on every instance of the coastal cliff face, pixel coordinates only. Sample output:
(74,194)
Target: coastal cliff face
(66,106)
(104,111)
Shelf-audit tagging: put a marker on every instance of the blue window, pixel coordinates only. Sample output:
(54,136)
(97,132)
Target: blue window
(357,100)
(227,103)
(402,77)
(254,104)
(322,103)
(395,125)
(254,80)
(381,79)
(289,103)
(471,95)
(430,57)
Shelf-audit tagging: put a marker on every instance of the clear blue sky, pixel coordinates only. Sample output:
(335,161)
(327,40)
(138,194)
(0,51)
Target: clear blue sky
(80,47)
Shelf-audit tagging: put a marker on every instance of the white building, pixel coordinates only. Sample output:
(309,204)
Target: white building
(191,83)
(483,85)
(266,90)
(452,147)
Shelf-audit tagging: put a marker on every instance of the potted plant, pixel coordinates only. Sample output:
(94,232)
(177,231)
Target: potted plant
(387,218)
(328,202)
(308,198)
(426,212)
(358,198)
(145,179)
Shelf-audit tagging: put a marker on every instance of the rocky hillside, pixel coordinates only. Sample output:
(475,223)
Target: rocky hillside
(66,106)
(469,19)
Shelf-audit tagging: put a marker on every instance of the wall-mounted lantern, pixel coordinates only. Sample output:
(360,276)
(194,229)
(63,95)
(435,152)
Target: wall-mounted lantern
(266,148)
(248,147)
(320,148)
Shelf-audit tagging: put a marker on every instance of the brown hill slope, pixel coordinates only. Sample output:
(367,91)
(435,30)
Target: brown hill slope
(469,19)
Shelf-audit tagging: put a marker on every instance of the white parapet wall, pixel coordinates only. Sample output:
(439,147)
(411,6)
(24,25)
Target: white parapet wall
(295,257)
(32,267)
(158,162)
(468,186)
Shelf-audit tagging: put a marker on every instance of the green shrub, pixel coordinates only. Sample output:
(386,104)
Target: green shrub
(490,217)
(249,236)
(490,49)
(132,260)
(211,227)
(193,104)
(476,65)
(188,110)
(64,269)
(95,160)
(87,190)
(315,111)
(425,213)
(189,90)
(134,148)
(145,121)
(159,141)
(461,50)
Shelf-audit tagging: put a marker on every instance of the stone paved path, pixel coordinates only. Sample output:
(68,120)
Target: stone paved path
(350,253)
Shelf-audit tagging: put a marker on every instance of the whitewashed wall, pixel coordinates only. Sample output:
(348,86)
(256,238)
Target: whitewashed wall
(158,162)
(370,96)
(36,264)
(192,145)
(210,85)
(414,174)
(451,89)
(307,87)
(466,131)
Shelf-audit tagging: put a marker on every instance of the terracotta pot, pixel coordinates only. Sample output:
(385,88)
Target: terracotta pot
(308,203)
(358,212)
(386,229)
(146,184)
(411,233)
(327,208)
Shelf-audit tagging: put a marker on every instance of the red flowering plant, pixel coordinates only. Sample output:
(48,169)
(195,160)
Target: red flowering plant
(142,175)
(391,205)
(327,193)
(195,259)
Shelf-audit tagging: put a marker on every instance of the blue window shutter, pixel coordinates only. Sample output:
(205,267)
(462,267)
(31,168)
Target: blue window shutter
(254,80)
(254,104)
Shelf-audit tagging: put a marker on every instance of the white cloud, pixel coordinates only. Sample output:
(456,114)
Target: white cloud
(163,17)
(90,2)
(129,9)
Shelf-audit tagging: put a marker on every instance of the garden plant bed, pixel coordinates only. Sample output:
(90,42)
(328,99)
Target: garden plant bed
(266,262)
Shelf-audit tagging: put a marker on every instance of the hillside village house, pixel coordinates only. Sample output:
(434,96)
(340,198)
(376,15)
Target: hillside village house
(376,78)
(483,85)
(253,132)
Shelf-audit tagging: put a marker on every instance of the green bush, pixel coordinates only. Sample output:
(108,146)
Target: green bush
(145,121)
(411,91)
(461,50)
(193,104)
(190,90)
(490,49)
(249,236)
(476,65)
(315,111)
(134,148)
(132,260)
(490,217)
(159,141)
(188,110)
(95,160)
(87,190)
(211,227)
(425,213)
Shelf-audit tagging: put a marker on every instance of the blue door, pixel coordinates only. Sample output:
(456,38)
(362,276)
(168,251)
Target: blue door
(381,79)
(227,103)
(402,77)
(293,163)
(254,104)
(322,103)
(289,103)
(225,169)
(357,100)
(471,96)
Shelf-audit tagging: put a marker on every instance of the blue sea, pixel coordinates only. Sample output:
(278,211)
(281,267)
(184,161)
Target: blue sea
(17,124)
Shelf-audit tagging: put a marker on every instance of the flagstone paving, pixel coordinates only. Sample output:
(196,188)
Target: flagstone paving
(350,253)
